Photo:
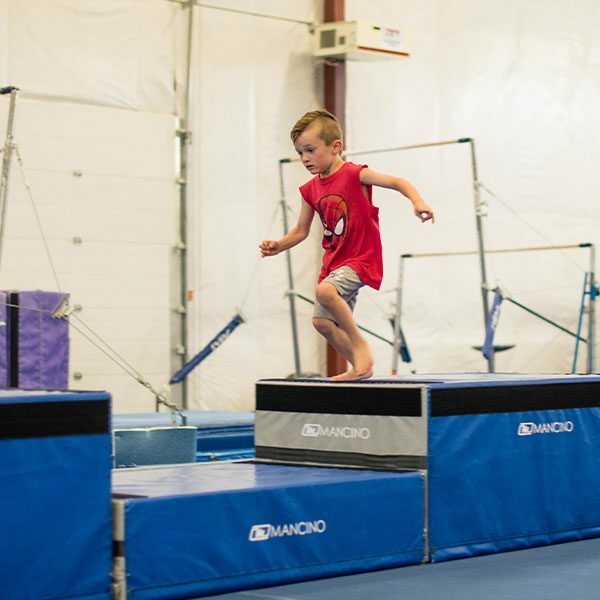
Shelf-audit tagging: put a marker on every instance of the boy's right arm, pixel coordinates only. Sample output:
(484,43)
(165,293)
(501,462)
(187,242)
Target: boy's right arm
(293,237)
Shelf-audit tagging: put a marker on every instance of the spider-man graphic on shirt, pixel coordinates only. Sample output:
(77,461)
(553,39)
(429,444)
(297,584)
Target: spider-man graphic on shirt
(333,211)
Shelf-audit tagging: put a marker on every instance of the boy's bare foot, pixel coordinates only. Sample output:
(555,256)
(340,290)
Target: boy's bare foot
(363,365)
(363,361)
(352,375)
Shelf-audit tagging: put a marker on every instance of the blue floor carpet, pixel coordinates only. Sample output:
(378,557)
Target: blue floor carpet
(559,572)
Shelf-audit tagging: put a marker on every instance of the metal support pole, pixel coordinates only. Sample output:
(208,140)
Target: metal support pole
(184,139)
(290,274)
(334,100)
(546,319)
(6,159)
(396,349)
(591,348)
(480,245)
(586,283)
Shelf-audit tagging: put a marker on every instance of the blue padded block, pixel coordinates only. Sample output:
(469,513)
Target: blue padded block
(513,460)
(154,446)
(492,489)
(55,517)
(205,529)
(221,435)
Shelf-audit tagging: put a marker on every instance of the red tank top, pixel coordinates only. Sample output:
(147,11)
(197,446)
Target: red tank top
(350,221)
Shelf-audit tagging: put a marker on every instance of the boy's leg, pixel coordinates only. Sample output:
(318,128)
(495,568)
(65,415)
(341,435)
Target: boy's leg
(362,361)
(335,335)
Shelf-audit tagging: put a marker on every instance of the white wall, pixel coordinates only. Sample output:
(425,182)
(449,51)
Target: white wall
(253,77)
(95,127)
(522,79)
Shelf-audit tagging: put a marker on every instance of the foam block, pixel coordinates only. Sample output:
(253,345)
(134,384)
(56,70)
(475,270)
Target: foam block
(154,446)
(511,461)
(55,519)
(192,530)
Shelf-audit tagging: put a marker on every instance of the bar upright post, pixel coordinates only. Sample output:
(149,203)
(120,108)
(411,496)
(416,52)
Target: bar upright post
(6,159)
(290,274)
(591,349)
(397,317)
(479,222)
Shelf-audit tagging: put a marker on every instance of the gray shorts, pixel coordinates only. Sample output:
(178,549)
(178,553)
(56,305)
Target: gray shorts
(346,281)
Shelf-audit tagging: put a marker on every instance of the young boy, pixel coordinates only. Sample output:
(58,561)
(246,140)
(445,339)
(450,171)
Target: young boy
(341,193)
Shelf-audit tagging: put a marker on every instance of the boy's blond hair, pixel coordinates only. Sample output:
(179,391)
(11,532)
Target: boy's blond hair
(329,128)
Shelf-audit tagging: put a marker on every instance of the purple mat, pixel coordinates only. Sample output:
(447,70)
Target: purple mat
(4,341)
(40,346)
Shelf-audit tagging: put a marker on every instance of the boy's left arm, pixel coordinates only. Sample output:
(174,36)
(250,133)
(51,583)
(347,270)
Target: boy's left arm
(421,208)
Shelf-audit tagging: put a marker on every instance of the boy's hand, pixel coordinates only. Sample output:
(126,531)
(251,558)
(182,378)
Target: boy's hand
(269,248)
(424,212)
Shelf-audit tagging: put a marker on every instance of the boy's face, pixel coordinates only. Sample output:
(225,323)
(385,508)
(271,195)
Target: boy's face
(317,156)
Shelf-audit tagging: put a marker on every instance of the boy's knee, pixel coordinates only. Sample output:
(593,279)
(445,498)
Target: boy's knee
(323,326)
(325,293)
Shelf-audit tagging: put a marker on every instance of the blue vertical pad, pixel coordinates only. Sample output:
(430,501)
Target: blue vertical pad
(55,520)
(513,465)
(204,529)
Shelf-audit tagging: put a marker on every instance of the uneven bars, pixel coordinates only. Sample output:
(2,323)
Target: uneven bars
(393,149)
(592,292)
(497,250)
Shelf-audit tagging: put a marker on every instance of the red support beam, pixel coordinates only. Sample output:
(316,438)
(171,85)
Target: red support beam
(335,74)
(334,80)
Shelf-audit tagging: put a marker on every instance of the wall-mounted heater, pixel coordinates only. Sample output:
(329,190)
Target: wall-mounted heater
(355,40)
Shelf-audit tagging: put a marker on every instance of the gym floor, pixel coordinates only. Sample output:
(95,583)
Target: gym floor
(558,572)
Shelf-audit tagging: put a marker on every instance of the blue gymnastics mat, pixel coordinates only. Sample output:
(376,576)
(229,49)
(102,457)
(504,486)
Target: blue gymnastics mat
(512,460)
(183,531)
(55,518)
(221,435)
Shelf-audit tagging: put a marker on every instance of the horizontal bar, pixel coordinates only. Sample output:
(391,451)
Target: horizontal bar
(498,250)
(425,145)
(393,149)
